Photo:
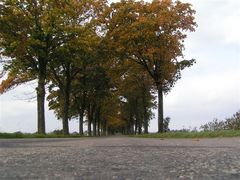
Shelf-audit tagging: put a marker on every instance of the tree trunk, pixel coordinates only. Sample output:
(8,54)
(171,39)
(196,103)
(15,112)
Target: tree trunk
(94,124)
(89,121)
(81,115)
(132,124)
(136,125)
(145,119)
(93,119)
(139,128)
(139,125)
(160,109)
(129,128)
(89,128)
(104,127)
(65,114)
(41,98)
(98,126)
(82,109)
(66,94)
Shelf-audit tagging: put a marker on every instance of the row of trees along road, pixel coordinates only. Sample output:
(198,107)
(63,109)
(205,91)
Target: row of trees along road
(100,63)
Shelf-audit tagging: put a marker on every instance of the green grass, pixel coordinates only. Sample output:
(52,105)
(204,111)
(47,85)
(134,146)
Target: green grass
(209,134)
(28,135)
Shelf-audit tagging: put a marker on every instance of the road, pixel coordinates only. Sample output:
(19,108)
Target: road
(120,158)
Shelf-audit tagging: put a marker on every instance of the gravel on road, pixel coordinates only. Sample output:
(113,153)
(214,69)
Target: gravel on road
(120,158)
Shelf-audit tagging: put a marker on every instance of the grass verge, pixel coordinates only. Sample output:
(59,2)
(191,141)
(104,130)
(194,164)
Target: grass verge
(208,134)
(28,135)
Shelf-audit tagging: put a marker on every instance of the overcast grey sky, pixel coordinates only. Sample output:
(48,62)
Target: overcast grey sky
(210,89)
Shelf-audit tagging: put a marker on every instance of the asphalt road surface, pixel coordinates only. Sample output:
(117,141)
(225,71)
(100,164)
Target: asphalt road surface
(120,158)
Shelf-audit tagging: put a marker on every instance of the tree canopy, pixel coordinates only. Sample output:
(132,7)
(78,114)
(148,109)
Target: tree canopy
(151,35)
(102,63)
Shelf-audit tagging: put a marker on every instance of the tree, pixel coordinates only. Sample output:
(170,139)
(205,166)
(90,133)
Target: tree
(80,81)
(69,62)
(31,33)
(151,35)
(136,88)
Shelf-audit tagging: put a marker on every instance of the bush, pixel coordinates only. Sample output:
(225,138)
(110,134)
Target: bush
(18,133)
(57,132)
(232,123)
(75,133)
(166,122)
(215,125)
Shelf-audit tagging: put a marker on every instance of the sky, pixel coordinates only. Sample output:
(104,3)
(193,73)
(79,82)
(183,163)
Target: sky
(210,89)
